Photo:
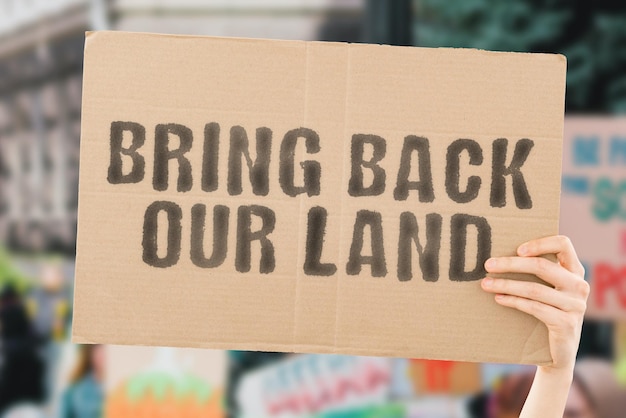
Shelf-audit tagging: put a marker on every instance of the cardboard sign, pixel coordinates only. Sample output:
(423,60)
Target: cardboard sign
(593,210)
(311,197)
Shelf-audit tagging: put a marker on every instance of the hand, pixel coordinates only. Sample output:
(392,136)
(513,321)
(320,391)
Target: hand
(561,308)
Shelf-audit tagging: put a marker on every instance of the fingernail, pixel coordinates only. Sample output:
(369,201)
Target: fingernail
(491,263)
(499,297)
(523,249)
(487,282)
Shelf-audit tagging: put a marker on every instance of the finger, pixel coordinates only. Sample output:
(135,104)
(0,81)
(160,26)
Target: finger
(546,270)
(547,314)
(534,291)
(560,245)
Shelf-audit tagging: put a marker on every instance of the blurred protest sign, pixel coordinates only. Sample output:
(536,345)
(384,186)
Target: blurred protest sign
(311,197)
(158,381)
(415,377)
(306,385)
(593,207)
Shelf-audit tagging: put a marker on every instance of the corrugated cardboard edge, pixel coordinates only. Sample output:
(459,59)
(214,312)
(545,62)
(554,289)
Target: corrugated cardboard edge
(307,349)
(92,35)
(562,58)
(75,339)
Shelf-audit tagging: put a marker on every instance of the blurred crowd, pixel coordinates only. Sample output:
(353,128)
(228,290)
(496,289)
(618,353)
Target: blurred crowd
(34,325)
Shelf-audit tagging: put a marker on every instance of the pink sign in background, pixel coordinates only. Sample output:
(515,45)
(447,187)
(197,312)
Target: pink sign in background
(593,207)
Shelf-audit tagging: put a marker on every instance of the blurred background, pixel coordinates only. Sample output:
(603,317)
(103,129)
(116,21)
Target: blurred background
(43,375)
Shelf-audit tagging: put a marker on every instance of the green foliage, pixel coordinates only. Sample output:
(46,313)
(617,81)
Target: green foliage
(9,275)
(161,384)
(486,24)
(387,411)
(620,371)
(592,35)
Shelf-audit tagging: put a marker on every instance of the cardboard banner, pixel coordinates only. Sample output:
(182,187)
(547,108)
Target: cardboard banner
(593,208)
(311,197)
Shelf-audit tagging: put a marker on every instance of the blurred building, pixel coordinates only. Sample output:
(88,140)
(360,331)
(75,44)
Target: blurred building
(41,52)
(276,19)
(40,82)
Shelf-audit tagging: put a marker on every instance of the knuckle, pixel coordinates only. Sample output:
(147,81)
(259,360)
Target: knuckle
(535,307)
(580,306)
(564,241)
(540,265)
(514,301)
(505,286)
(581,270)
(583,288)
(570,323)
(534,291)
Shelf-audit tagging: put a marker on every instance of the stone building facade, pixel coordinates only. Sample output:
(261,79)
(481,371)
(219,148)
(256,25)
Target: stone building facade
(41,53)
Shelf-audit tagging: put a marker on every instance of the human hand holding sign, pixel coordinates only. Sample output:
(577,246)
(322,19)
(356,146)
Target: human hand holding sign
(560,307)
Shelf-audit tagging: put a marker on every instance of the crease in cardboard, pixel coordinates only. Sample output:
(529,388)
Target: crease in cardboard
(343,196)
(301,228)
(539,331)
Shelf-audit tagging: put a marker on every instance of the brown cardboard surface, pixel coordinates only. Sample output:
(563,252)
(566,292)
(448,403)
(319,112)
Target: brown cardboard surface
(286,302)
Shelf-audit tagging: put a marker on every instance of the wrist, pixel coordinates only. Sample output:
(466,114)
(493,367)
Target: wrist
(565,373)
(549,392)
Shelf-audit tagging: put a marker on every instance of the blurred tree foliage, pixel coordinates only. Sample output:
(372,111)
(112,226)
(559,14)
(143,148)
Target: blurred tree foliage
(10,275)
(591,34)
